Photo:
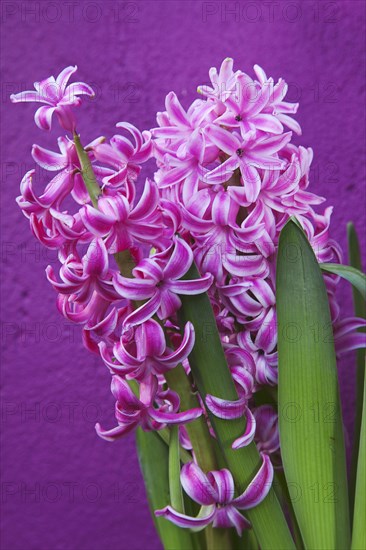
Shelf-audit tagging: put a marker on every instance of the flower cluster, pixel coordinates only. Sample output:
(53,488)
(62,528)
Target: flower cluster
(227,180)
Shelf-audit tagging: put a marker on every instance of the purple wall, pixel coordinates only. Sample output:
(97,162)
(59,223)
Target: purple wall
(63,488)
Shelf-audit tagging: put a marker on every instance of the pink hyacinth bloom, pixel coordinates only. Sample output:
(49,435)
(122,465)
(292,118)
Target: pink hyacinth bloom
(52,227)
(158,279)
(215,492)
(122,224)
(211,218)
(81,278)
(282,109)
(245,108)
(58,97)
(132,411)
(97,316)
(222,82)
(123,157)
(248,154)
(146,351)
(67,164)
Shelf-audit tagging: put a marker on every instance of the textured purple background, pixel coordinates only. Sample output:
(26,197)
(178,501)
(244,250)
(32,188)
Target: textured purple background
(88,494)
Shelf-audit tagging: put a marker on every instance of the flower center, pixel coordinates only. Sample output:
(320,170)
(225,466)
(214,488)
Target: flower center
(239,152)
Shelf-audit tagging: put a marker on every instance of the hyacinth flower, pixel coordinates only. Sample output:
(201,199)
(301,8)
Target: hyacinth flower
(222,81)
(132,411)
(158,279)
(178,285)
(67,164)
(146,351)
(58,96)
(123,224)
(244,109)
(215,492)
(124,158)
(82,278)
(247,153)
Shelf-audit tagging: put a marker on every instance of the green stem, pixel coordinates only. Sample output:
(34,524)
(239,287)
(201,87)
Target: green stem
(199,434)
(175,488)
(203,445)
(87,171)
(164,435)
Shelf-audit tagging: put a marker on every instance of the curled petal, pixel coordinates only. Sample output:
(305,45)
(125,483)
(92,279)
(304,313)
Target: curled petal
(179,262)
(197,523)
(64,76)
(225,409)
(197,485)
(248,435)
(240,522)
(43,117)
(258,488)
(49,160)
(192,286)
(183,350)
(133,289)
(174,418)
(114,433)
(144,312)
(224,484)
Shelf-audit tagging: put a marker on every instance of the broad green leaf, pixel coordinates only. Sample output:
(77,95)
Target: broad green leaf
(310,418)
(351,274)
(354,257)
(153,456)
(359,525)
(212,376)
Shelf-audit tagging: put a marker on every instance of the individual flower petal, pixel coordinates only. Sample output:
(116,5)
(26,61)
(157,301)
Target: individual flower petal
(258,488)
(225,409)
(197,485)
(197,523)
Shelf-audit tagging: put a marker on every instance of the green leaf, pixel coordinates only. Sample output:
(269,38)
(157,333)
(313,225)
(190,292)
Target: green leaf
(212,376)
(359,527)
(354,257)
(351,274)
(310,418)
(153,456)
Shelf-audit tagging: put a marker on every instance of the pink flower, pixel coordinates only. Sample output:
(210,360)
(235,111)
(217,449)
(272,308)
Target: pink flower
(123,157)
(245,108)
(153,410)
(67,164)
(58,97)
(81,278)
(211,218)
(248,154)
(223,82)
(158,279)
(215,492)
(122,224)
(280,108)
(146,351)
